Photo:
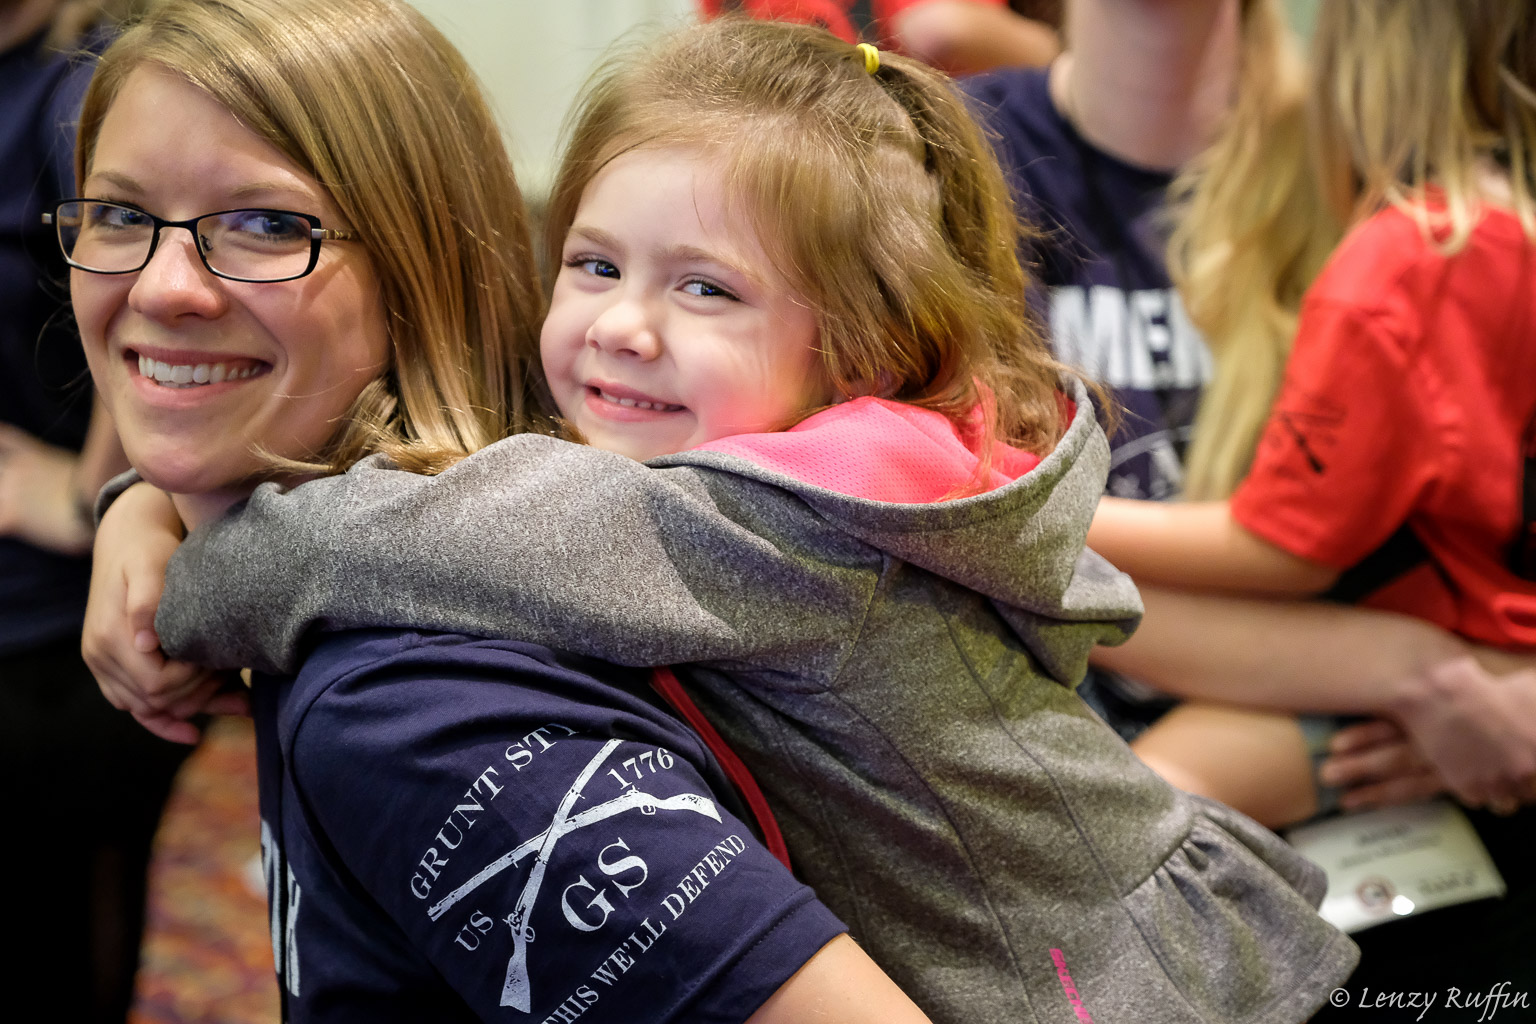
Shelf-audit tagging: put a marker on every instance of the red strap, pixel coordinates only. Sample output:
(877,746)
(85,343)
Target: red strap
(667,685)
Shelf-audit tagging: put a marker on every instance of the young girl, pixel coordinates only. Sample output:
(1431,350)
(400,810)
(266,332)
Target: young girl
(884,606)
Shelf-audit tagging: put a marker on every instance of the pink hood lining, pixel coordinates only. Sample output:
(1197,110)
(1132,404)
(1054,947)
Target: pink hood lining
(882,450)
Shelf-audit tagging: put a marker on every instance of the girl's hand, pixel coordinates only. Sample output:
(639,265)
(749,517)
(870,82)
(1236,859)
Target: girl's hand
(1478,730)
(39,502)
(1377,766)
(135,541)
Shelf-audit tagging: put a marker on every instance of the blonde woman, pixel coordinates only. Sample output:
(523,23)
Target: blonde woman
(273,278)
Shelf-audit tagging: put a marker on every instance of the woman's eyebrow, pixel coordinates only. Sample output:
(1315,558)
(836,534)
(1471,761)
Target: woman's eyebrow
(130,185)
(266,188)
(122,182)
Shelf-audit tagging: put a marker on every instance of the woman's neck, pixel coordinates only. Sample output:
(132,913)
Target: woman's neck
(1148,81)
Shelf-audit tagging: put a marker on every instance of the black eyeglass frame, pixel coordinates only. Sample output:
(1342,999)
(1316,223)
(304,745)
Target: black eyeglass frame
(317,234)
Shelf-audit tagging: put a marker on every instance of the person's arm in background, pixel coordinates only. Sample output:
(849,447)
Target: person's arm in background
(1199,546)
(1469,710)
(962,37)
(46,492)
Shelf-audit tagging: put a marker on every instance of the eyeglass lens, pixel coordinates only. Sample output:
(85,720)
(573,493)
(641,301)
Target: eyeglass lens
(254,244)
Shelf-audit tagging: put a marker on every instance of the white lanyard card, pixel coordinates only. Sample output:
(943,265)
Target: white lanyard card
(1397,862)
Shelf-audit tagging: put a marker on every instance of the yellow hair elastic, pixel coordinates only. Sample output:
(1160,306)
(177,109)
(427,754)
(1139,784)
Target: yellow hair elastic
(871,57)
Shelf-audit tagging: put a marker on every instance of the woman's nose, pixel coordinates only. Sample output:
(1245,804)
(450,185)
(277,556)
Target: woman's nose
(175,282)
(626,327)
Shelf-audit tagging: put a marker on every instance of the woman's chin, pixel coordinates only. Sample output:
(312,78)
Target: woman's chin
(194,474)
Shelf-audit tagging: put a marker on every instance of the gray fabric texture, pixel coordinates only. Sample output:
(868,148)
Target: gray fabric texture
(898,678)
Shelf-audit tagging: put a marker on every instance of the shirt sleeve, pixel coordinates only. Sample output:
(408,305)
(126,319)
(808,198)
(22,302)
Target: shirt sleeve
(1348,449)
(548,851)
(532,539)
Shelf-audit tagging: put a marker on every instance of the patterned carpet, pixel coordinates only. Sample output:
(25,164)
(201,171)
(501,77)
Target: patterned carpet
(207,955)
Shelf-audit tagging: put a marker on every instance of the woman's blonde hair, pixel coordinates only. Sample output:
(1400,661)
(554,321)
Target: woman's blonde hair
(1404,95)
(1414,93)
(370,100)
(874,194)
(1251,232)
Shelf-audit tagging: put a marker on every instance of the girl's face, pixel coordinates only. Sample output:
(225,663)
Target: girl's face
(669,327)
(288,358)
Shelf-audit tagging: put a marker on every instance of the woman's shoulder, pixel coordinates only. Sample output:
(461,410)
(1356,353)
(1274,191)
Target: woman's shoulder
(1403,255)
(412,684)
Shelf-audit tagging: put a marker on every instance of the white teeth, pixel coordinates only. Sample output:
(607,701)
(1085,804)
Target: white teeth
(635,403)
(190,375)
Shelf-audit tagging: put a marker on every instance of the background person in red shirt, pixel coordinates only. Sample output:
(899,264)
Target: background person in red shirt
(957,36)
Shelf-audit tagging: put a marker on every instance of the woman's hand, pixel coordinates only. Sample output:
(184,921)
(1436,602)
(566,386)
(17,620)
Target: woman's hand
(1376,766)
(135,541)
(39,499)
(1478,729)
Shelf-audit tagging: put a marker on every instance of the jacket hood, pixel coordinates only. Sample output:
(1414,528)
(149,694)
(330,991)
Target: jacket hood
(883,472)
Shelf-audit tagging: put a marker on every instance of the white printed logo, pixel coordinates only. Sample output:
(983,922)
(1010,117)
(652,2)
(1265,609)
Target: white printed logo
(516,991)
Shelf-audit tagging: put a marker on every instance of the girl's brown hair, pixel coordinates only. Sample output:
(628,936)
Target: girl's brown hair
(370,100)
(875,195)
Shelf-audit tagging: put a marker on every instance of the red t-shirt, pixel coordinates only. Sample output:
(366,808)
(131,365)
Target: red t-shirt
(833,14)
(1409,399)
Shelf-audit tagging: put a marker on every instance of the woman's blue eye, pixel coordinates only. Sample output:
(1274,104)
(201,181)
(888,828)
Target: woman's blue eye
(269,224)
(107,215)
(707,289)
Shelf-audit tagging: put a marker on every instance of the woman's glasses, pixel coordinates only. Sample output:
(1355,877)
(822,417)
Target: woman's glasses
(238,245)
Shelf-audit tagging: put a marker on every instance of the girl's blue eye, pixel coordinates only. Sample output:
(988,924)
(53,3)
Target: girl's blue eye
(595,267)
(707,289)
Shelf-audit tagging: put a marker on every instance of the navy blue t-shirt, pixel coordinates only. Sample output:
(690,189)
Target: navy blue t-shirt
(44,386)
(1099,258)
(465,829)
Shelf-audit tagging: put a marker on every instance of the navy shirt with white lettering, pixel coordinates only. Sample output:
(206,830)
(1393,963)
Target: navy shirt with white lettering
(465,829)
(1099,256)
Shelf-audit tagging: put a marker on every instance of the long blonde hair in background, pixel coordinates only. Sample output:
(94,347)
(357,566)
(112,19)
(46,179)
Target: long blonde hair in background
(1414,93)
(1251,232)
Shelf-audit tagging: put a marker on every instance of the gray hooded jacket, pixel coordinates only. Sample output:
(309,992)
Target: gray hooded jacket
(898,677)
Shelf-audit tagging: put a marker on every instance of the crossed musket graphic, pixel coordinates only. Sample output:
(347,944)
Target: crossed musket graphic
(515,991)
